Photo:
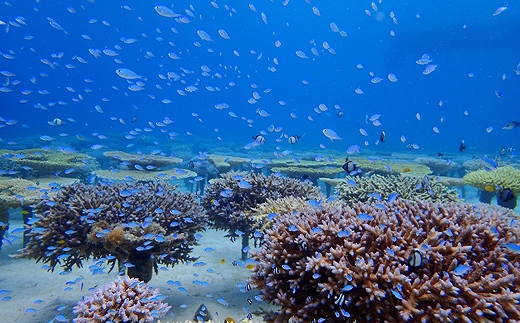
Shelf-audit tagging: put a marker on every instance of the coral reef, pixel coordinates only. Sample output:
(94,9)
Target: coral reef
(439,166)
(391,262)
(226,321)
(386,167)
(504,177)
(123,300)
(140,176)
(45,162)
(378,187)
(144,162)
(226,164)
(230,200)
(310,173)
(144,225)
(271,207)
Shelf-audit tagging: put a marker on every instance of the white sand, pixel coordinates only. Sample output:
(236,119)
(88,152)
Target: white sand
(24,282)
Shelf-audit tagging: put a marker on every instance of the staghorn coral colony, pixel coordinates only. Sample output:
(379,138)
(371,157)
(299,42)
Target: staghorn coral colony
(141,225)
(391,262)
(230,200)
(123,300)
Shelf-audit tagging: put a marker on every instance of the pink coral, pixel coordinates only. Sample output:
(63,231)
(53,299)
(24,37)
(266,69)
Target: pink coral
(391,262)
(123,300)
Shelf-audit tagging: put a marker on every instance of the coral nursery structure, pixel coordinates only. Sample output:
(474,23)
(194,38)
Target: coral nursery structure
(391,262)
(123,300)
(141,225)
(230,200)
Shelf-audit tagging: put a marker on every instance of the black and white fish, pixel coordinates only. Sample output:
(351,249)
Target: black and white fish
(415,259)
(383,136)
(511,125)
(462,146)
(293,139)
(349,166)
(259,138)
(506,194)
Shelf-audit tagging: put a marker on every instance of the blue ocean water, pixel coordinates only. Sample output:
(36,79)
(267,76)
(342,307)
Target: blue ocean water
(461,38)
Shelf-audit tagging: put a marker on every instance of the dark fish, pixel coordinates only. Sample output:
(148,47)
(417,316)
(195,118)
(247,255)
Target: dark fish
(440,154)
(511,125)
(293,139)
(340,113)
(259,138)
(506,195)
(424,185)
(462,146)
(415,259)
(383,136)
(349,166)
(134,119)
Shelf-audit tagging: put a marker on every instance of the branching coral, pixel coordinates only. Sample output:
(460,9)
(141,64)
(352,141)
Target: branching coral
(123,300)
(505,177)
(378,187)
(230,200)
(144,162)
(145,224)
(46,162)
(391,262)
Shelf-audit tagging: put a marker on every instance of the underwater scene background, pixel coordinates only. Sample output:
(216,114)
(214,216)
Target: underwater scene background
(302,161)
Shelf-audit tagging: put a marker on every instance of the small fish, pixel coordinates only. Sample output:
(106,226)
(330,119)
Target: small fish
(259,138)
(293,139)
(462,146)
(349,166)
(461,270)
(512,247)
(415,259)
(383,136)
(134,119)
(511,125)
(505,195)
(365,217)
(489,163)
(331,134)
(340,114)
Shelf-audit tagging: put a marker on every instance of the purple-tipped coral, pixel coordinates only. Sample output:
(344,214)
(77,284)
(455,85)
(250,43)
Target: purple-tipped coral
(391,262)
(145,225)
(230,200)
(123,300)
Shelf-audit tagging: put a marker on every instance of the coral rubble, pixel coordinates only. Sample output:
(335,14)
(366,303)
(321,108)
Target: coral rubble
(144,225)
(123,300)
(391,262)
(378,187)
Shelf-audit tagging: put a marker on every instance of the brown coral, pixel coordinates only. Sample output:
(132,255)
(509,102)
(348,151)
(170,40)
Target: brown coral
(230,200)
(123,300)
(391,262)
(378,187)
(145,225)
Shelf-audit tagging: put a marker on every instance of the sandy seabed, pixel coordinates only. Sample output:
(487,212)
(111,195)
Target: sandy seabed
(30,294)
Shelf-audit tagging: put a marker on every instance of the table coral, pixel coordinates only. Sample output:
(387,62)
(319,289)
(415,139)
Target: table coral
(147,162)
(145,225)
(505,177)
(123,300)
(391,262)
(378,187)
(230,200)
(46,162)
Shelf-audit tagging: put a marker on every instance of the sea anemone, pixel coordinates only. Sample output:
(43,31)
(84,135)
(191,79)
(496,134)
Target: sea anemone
(391,262)
(230,200)
(142,226)
(123,300)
